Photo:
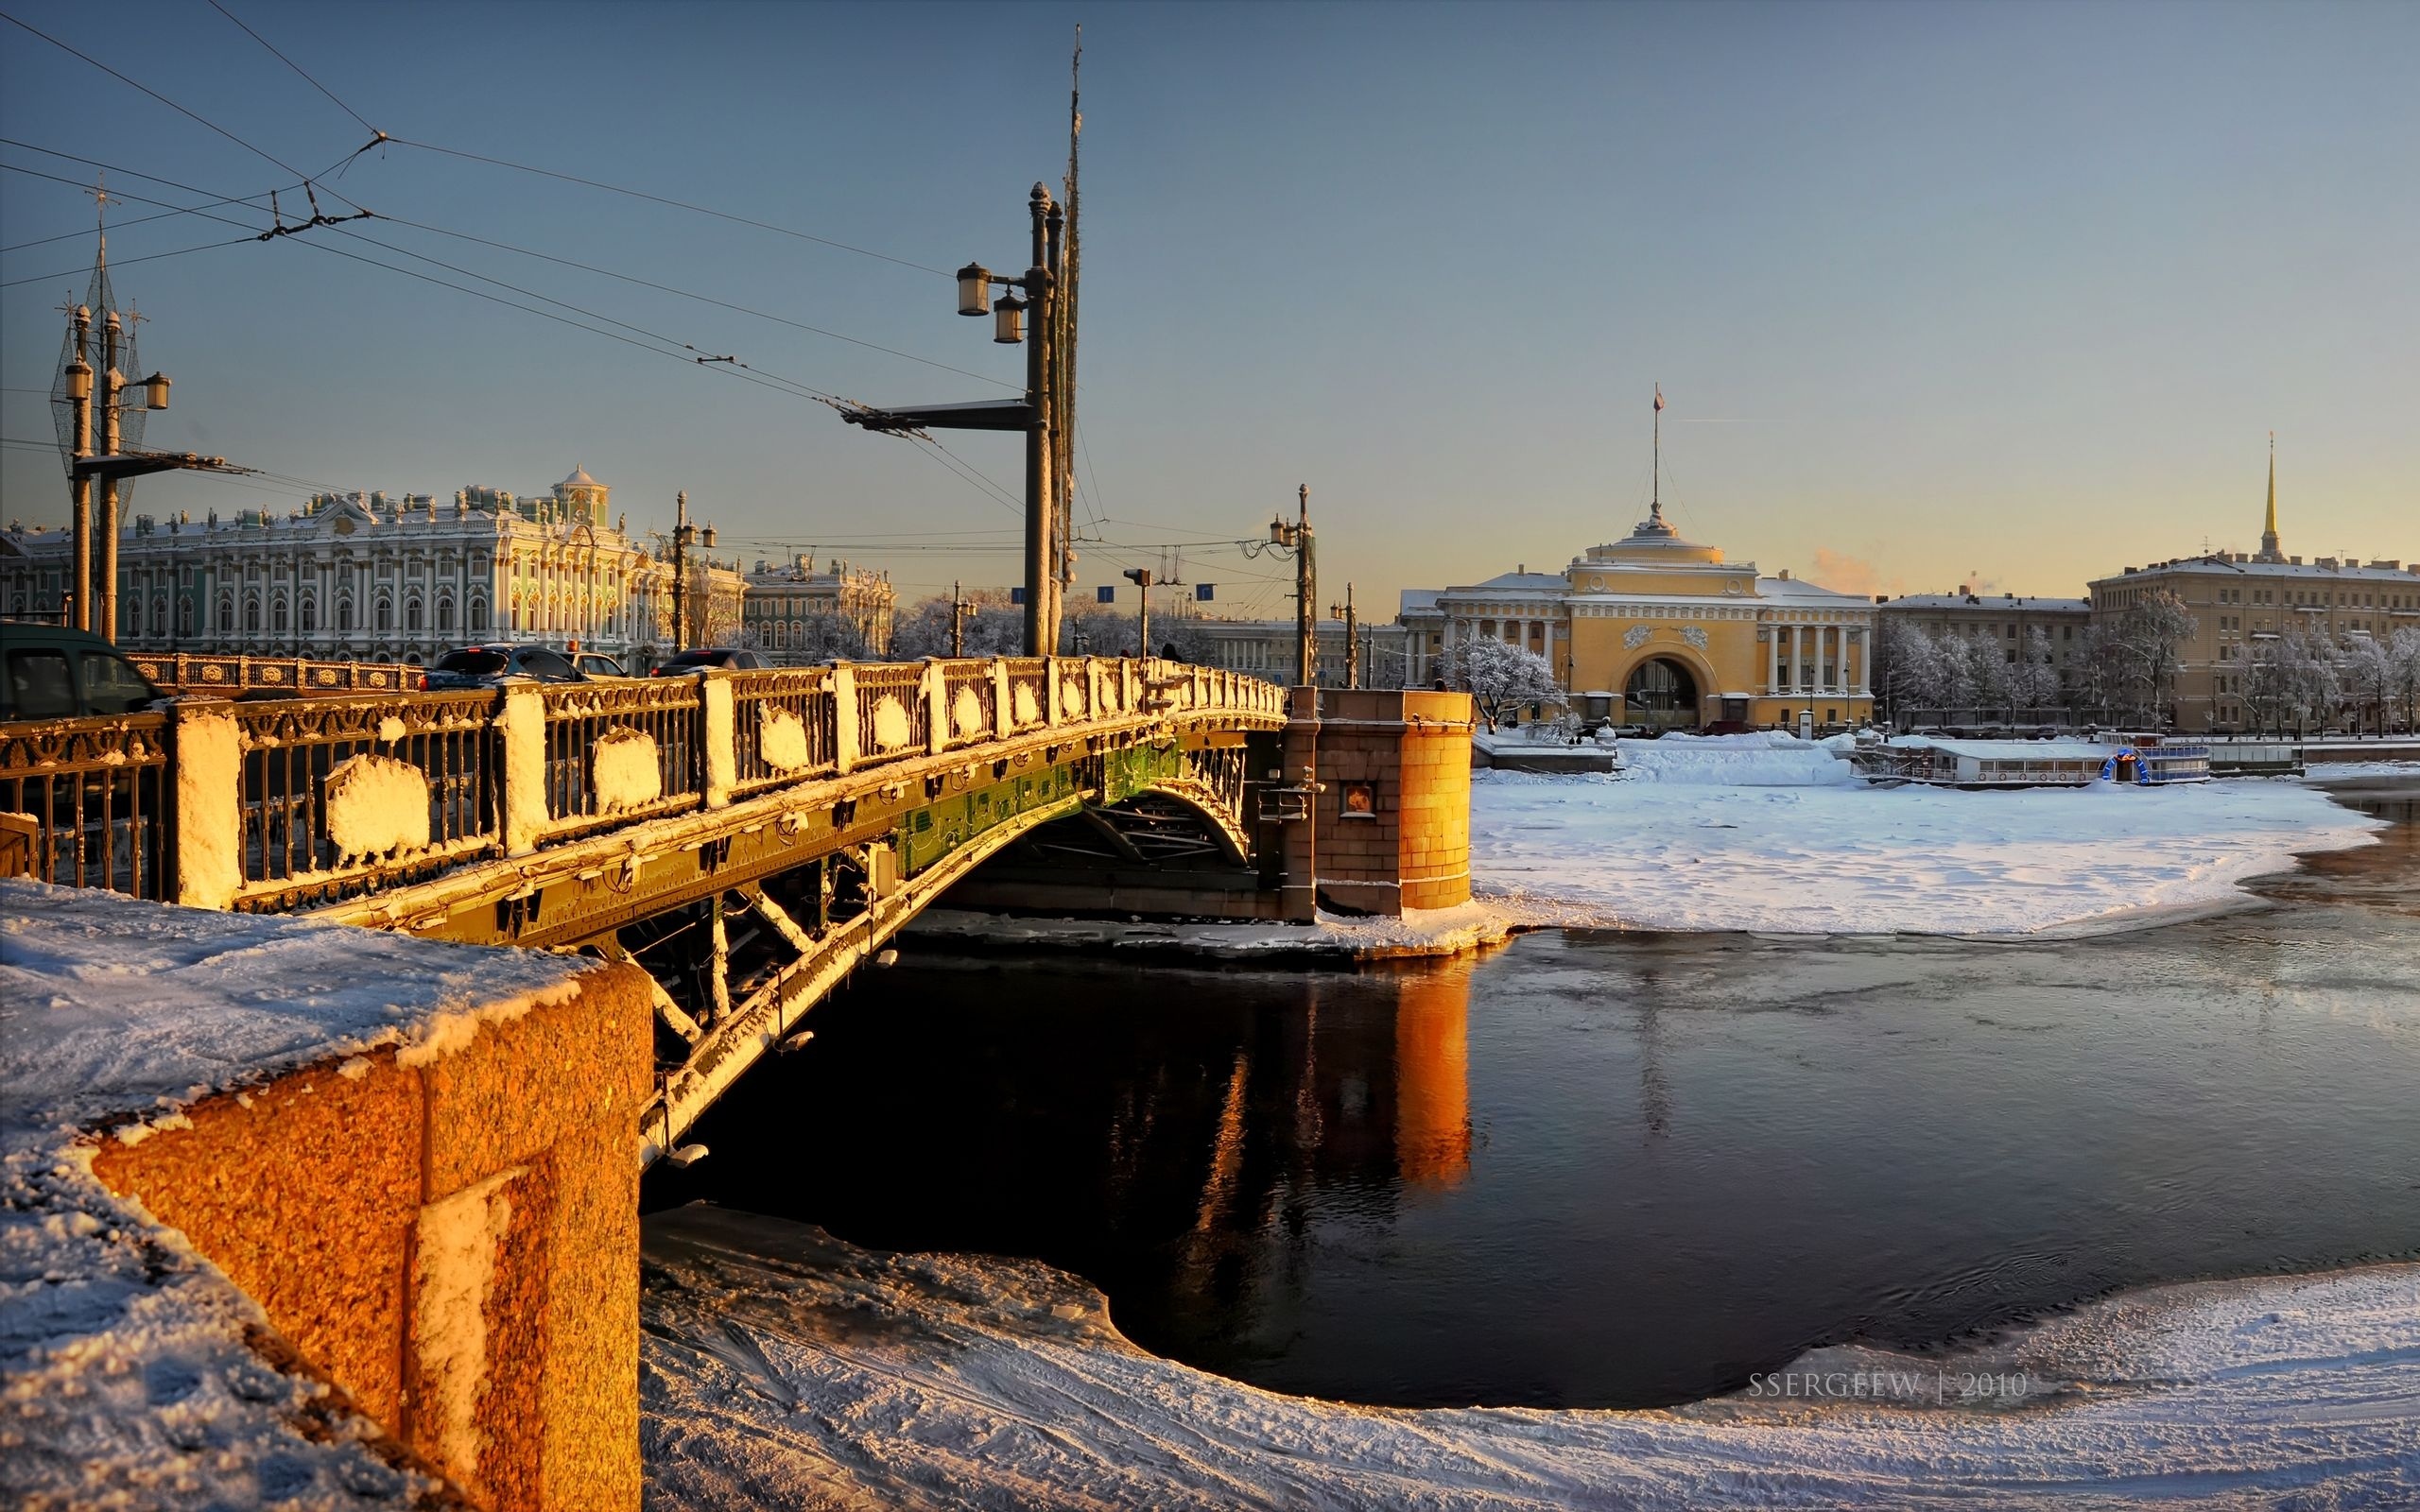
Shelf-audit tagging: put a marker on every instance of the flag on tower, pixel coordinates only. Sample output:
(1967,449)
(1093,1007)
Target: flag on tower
(1659,398)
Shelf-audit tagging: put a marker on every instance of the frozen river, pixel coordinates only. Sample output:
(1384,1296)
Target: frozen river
(1626,1170)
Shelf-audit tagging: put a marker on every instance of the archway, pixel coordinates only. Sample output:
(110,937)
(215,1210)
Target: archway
(1661,693)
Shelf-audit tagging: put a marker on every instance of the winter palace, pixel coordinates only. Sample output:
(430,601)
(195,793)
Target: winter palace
(1654,630)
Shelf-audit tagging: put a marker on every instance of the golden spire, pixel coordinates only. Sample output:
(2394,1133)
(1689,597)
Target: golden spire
(2269,547)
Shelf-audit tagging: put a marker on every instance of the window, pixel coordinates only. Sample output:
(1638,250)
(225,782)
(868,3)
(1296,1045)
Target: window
(251,616)
(38,685)
(344,616)
(445,616)
(277,614)
(538,662)
(411,616)
(310,618)
(111,686)
(478,616)
(386,616)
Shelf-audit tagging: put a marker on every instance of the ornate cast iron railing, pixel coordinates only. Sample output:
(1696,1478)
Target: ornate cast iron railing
(186,672)
(299,801)
(342,795)
(94,791)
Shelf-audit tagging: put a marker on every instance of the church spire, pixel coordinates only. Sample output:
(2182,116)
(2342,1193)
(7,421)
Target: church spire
(2269,551)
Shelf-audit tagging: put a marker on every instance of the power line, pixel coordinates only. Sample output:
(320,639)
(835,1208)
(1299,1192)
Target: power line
(123,262)
(292,64)
(702,299)
(677,204)
(163,99)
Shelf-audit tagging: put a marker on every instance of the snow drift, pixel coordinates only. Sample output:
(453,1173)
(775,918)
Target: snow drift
(780,1366)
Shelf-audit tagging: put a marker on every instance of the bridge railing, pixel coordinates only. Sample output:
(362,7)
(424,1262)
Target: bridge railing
(301,801)
(192,672)
(617,752)
(781,725)
(341,793)
(87,800)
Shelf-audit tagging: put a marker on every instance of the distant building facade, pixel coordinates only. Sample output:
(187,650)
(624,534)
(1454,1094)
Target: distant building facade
(1654,629)
(387,578)
(2005,618)
(788,605)
(1265,648)
(2240,599)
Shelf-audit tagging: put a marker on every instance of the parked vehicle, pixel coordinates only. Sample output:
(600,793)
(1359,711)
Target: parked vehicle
(597,664)
(55,673)
(493,666)
(730,658)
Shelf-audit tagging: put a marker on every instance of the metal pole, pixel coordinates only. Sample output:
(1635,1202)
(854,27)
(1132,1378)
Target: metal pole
(1352,641)
(680,572)
(105,570)
(1307,595)
(1143,636)
(957,623)
(1041,624)
(79,583)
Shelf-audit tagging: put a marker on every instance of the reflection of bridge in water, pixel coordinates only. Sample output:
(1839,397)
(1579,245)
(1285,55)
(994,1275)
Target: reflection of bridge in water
(747,838)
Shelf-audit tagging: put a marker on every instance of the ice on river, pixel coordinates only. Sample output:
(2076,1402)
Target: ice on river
(781,1367)
(1775,840)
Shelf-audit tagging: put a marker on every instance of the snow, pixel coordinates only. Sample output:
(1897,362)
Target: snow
(455,1255)
(376,804)
(780,1366)
(1761,759)
(966,715)
(1715,836)
(129,1371)
(781,739)
(890,725)
(1415,932)
(626,768)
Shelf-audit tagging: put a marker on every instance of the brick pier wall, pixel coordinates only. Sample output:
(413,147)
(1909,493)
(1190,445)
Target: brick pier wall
(453,1243)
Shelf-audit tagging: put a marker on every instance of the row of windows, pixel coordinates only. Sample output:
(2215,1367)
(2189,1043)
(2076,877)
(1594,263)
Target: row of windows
(307,621)
(2344,598)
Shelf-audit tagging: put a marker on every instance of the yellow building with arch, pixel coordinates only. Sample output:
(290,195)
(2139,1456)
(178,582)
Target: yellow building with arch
(1654,629)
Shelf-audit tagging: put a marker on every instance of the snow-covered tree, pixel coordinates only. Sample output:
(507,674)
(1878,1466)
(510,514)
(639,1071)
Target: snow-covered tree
(1503,678)
(2033,680)
(2293,683)
(1908,670)
(2406,652)
(996,628)
(2369,674)
(2147,645)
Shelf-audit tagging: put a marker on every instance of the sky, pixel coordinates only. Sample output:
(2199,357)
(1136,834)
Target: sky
(2009,294)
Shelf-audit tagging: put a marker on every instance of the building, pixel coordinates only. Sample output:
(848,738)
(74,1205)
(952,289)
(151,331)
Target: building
(792,611)
(387,577)
(2239,599)
(1657,630)
(1266,648)
(2008,619)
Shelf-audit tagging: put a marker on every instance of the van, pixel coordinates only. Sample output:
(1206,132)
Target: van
(47,672)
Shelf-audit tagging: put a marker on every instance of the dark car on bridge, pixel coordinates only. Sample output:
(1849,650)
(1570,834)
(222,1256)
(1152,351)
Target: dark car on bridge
(730,658)
(496,664)
(49,672)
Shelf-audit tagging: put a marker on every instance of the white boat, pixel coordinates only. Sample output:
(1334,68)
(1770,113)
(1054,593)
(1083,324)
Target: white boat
(1935,761)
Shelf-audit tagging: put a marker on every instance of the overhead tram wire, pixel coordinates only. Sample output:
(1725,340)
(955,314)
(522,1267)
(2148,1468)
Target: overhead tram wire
(292,64)
(202,120)
(659,199)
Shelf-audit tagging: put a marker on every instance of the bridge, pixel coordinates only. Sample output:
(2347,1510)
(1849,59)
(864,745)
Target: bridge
(746,838)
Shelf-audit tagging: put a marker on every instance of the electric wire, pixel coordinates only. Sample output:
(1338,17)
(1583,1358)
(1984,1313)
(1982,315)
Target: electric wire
(292,64)
(191,115)
(677,204)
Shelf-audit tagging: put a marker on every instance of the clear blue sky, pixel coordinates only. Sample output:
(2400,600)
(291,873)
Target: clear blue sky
(2013,291)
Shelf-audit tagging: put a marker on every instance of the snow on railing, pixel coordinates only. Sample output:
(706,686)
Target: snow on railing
(301,801)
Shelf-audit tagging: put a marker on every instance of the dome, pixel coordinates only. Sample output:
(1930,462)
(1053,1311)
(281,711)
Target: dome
(580,479)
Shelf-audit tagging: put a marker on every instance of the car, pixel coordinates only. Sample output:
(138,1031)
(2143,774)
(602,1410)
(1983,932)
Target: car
(49,672)
(494,664)
(728,657)
(597,664)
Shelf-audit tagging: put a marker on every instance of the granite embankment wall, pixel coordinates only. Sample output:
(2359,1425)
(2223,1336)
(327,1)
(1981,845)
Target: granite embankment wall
(453,1242)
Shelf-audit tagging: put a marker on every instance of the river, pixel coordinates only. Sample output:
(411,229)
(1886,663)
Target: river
(1625,1169)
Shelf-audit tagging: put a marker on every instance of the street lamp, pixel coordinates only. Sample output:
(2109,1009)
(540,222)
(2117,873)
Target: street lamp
(974,290)
(155,392)
(1007,328)
(79,380)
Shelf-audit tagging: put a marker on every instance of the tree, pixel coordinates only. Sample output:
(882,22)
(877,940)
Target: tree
(2407,673)
(2370,677)
(2033,680)
(2293,681)
(996,628)
(2149,647)
(1503,678)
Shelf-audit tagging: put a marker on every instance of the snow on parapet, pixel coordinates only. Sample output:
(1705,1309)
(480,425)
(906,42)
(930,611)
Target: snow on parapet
(109,1007)
(133,1371)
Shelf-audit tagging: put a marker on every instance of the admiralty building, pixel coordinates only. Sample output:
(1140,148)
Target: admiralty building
(387,578)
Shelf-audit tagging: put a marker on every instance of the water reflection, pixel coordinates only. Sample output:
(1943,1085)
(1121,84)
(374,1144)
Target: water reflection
(1624,1170)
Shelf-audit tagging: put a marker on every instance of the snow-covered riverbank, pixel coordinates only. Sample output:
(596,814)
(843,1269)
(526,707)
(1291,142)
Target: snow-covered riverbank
(781,1367)
(1779,841)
